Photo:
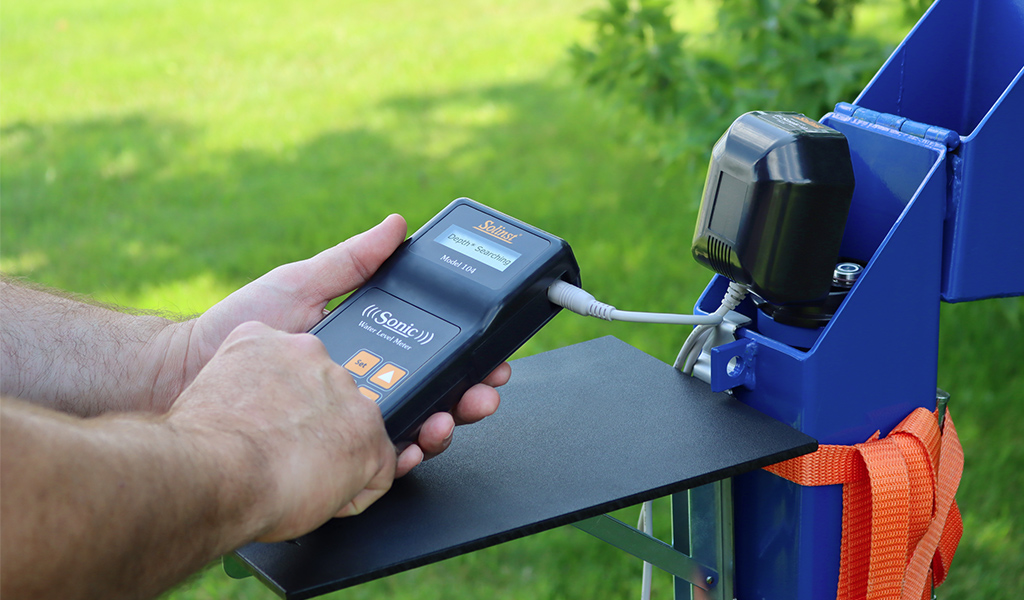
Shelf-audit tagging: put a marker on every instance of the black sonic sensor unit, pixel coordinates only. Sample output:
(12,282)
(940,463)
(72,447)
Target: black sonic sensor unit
(775,205)
(453,302)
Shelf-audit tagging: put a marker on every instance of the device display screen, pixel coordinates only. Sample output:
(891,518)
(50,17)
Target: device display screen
(479,246)
(473,246)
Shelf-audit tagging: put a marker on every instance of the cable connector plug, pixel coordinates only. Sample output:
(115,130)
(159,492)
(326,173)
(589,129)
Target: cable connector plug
(578,300)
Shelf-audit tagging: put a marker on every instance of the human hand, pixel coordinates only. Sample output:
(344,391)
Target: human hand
(436,434)
(301,444)
(292,298)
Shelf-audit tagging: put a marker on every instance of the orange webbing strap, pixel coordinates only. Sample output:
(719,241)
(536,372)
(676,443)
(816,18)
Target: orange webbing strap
(901,523)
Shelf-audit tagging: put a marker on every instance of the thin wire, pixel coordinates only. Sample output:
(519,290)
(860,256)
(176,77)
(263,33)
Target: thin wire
(646,525)
(689,354)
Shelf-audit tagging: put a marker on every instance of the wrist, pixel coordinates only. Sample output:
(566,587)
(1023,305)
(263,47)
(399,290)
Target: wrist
(167,358)
(234,467)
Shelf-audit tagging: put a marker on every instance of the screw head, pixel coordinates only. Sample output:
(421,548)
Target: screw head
(846,274)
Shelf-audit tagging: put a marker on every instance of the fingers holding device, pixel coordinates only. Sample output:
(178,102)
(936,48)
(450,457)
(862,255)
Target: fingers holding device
(449,306)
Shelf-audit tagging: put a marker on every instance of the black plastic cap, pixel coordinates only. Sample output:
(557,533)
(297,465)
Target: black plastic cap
(775,205)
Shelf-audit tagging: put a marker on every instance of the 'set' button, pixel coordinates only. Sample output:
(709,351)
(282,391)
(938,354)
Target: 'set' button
(388,376)
(362,362)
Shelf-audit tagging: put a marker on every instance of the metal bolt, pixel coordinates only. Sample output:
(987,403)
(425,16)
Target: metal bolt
(709,580)
(846,274)
(941,401)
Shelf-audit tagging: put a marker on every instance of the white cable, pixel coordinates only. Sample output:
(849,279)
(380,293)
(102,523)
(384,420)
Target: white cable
(579,301)
(694,345)
(698,348)
(646,525)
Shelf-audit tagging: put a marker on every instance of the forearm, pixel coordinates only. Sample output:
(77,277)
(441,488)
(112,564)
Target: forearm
(85,358)
(269,441)
(119,506)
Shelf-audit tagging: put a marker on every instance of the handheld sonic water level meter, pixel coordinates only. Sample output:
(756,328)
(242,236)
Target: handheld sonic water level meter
(451,303)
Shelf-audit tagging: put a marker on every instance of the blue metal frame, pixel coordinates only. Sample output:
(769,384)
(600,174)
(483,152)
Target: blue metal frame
(935,215)
(869,367)
(961,68)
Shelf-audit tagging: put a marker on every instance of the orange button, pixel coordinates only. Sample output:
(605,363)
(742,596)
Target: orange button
(372,395)
(362,362)
(388,376)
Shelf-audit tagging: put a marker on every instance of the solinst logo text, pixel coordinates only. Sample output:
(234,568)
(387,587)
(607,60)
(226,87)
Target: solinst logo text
(387,320)
(497,231)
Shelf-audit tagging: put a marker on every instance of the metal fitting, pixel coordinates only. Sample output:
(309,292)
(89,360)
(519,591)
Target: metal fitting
(846,274)
(941,401)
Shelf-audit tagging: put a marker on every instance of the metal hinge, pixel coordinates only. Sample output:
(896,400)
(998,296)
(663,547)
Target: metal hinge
(948,137)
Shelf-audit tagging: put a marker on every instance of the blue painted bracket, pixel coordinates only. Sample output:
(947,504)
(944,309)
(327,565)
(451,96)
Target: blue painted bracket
(937,140)
(867,369)
(961,69)
(733,365)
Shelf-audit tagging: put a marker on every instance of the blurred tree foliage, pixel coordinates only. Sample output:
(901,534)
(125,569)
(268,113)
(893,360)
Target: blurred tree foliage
(798,55)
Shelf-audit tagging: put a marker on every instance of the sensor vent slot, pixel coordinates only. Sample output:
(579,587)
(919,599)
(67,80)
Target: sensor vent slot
(720,257)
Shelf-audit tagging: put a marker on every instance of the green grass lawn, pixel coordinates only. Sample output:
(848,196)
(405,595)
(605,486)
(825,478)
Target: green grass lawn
(161,154)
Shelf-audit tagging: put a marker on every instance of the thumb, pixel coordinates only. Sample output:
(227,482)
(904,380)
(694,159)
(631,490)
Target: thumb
(348,265)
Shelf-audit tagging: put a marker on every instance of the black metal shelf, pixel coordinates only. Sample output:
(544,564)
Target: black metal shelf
(582,430)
